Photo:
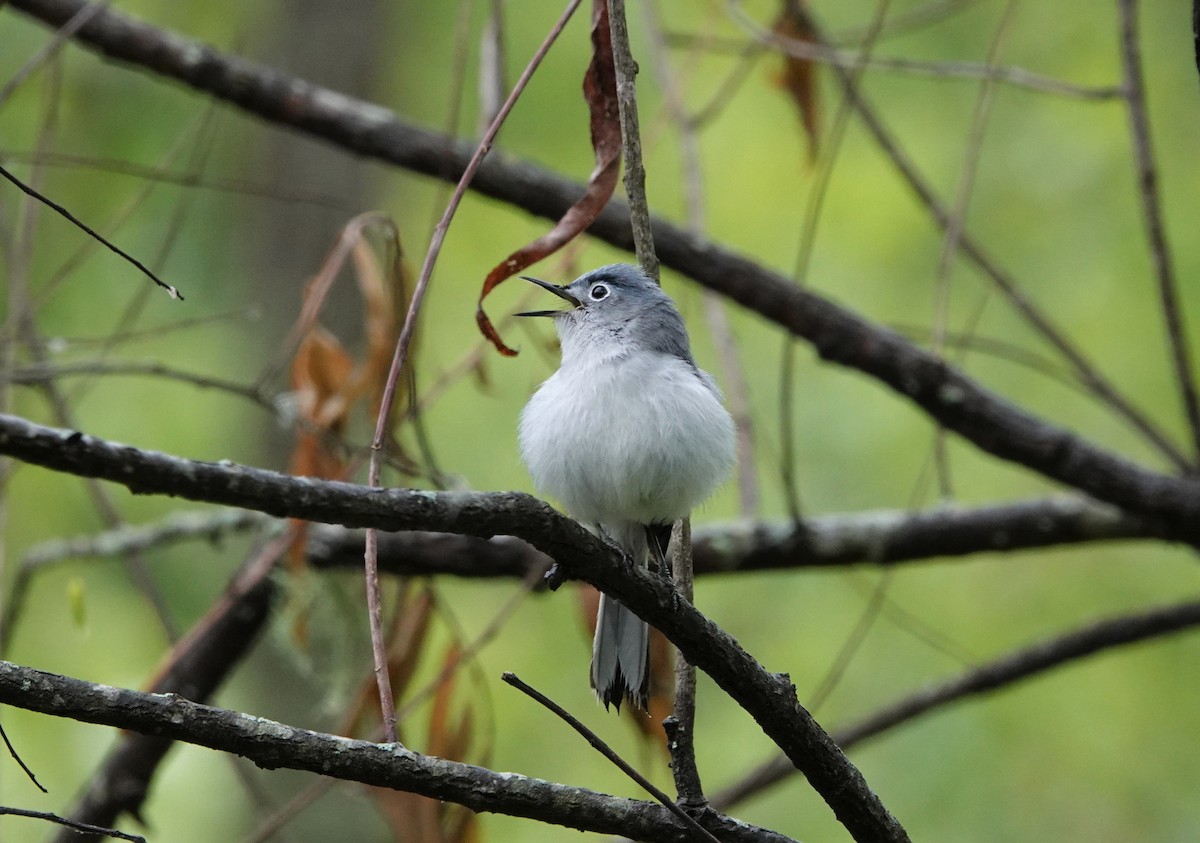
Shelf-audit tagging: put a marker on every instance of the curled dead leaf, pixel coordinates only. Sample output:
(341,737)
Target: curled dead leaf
(600,91)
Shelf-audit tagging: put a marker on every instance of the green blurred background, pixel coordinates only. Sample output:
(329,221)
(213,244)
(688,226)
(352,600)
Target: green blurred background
(1102,749)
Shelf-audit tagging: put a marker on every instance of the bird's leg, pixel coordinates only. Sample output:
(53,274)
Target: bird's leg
(658,537)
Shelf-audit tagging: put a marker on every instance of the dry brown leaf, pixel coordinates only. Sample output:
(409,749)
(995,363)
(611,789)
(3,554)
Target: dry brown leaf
(600,91)
(328,382)
(799,76)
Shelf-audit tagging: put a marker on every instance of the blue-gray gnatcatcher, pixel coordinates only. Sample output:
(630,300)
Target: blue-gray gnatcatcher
(629,435)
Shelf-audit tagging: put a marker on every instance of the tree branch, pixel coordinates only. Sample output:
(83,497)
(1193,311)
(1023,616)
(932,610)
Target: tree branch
(839,335)
(273,745)
(878,537)
(769,698)
(882,537)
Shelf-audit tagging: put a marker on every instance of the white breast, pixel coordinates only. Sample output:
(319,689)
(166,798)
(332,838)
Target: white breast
(640,438)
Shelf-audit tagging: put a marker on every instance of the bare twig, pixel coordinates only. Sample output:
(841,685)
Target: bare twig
(1147,177)
(681,725)
(159,175)
(25,326)
(608,752)
(45,373)
(49,50)
(631,144)
(12,751)
(85,828)
(61,211)
(733,377)
(956,224)
(119,542)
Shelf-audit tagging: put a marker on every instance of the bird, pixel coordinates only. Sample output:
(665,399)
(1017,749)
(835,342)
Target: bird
(629,435)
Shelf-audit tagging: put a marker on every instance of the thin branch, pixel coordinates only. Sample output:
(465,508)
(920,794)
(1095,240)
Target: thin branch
(52,48)
(85,828)
(273,745)
(1147,177)
(1002,673)
(42,374)
(26,328)
(160,175)
(955,227)
(680,727)
(400,357)
(631,143)
(63,212)
(12,751)
(823,54)
(608,752)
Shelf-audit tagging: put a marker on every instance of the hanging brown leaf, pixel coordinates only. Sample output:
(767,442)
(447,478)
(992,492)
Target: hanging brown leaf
(600,91)
(799,75)
(319,369)
(328,382)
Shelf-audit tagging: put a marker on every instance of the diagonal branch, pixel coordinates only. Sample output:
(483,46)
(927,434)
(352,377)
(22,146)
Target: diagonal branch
(839,335)
(274,745)
(769,698)
(1093,639)
(1147,176)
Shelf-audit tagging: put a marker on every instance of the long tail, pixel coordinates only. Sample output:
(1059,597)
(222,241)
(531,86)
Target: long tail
(620,656)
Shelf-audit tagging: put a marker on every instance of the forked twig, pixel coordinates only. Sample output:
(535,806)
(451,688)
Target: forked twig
(608,752)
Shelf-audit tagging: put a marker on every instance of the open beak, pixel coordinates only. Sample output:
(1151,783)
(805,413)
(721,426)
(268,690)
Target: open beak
(561,292)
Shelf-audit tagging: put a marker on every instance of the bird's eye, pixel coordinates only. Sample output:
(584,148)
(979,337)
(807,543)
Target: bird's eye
(598,291)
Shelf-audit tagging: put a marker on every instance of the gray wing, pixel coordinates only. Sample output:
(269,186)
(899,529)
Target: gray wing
(661,329)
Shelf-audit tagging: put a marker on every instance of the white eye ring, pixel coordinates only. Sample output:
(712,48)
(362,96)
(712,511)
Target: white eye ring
(598,291)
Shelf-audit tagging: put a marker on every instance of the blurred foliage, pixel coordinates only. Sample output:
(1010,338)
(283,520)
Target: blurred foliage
(1099,750)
